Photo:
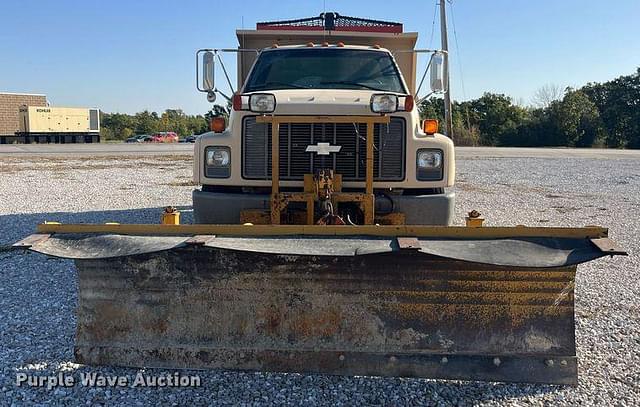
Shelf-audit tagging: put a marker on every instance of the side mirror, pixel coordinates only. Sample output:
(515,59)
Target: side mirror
(437,73)
(207,71)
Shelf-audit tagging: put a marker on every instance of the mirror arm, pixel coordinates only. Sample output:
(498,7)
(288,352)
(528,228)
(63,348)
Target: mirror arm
(222,94)
(424,75)
(226,75)
(422,99)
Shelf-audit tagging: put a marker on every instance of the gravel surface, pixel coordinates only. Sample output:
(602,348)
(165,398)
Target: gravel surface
(38,295)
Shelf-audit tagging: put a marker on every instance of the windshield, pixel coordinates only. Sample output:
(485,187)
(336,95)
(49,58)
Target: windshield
(331,68)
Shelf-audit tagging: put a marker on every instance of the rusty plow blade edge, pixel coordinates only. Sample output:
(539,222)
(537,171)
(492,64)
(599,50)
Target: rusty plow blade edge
(435,308)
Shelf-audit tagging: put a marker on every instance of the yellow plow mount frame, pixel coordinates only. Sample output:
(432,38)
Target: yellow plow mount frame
(280,200)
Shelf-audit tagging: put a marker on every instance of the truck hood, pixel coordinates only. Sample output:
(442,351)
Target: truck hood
(323,101)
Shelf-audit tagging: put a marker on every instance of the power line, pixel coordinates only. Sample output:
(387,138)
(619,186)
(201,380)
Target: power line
(324,15)
(458,54)
(433,24)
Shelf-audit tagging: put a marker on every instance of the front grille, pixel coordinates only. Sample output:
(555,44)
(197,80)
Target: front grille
(388,157)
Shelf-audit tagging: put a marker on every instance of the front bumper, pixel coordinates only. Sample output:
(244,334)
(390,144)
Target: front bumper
(225,208)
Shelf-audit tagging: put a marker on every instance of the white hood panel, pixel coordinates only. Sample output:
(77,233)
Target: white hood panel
(323,101)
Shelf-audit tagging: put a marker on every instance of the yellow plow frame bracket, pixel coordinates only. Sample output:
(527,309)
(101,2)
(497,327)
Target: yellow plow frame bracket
(279,200)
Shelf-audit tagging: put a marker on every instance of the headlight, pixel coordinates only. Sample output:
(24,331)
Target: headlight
(218,157)
(384,103)
(429,159)
(429,165)
(218,162)
(262,103)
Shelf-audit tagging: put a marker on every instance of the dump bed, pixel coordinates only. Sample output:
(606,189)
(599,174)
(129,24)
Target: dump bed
(349,30)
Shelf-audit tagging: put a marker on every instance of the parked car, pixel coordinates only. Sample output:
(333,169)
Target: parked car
(165,137)
(190,139)
(138,138)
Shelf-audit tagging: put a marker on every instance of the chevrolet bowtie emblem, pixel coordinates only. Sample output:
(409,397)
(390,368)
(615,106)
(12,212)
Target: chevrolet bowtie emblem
(323,149)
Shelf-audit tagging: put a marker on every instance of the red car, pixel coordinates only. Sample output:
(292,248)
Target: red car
(164,137)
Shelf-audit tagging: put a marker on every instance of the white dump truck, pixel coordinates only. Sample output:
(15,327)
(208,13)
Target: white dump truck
(357,70)
(317,253)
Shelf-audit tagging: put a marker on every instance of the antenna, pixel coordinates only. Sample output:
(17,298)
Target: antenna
(240,60)
(324,16)
(242,25)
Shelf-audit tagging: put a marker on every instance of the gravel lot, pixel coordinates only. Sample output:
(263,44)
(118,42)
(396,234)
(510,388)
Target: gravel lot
(38,295)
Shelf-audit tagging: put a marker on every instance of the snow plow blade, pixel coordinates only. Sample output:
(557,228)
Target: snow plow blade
(492,304)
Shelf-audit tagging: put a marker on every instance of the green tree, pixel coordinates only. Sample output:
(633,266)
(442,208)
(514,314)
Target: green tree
(536,130)
(483,121)
(119,125)
(618,102)
(146,122)
(174,120)
(197,124)
(498,118)
(218,111)
(576,119)
(432,108)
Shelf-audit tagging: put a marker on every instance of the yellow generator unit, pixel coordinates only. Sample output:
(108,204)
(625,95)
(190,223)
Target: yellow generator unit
(59,124)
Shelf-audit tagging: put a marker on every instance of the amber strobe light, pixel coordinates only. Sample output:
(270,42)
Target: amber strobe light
(430,126)
(218,124)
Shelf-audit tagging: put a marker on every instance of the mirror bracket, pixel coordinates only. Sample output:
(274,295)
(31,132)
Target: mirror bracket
(430,68)
(209,55)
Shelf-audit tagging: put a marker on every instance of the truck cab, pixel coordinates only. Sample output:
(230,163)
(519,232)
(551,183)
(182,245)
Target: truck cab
(413,164)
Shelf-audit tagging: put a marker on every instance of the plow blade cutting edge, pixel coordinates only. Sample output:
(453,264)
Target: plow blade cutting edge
(453,307)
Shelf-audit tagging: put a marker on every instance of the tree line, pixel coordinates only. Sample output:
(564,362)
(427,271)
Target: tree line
(595,115)
(120,126)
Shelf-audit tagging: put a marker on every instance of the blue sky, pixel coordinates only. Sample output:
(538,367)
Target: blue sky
(128,56)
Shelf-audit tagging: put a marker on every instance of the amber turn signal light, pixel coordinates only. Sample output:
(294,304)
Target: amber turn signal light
(218,124)
(430,126)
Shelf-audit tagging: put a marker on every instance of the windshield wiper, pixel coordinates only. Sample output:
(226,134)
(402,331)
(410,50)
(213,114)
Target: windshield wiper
(352,84)
(290,85)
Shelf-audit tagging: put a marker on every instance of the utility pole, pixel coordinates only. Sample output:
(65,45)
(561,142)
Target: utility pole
(445,47)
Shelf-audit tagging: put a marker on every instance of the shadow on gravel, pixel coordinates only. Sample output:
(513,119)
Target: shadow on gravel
(17,226)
